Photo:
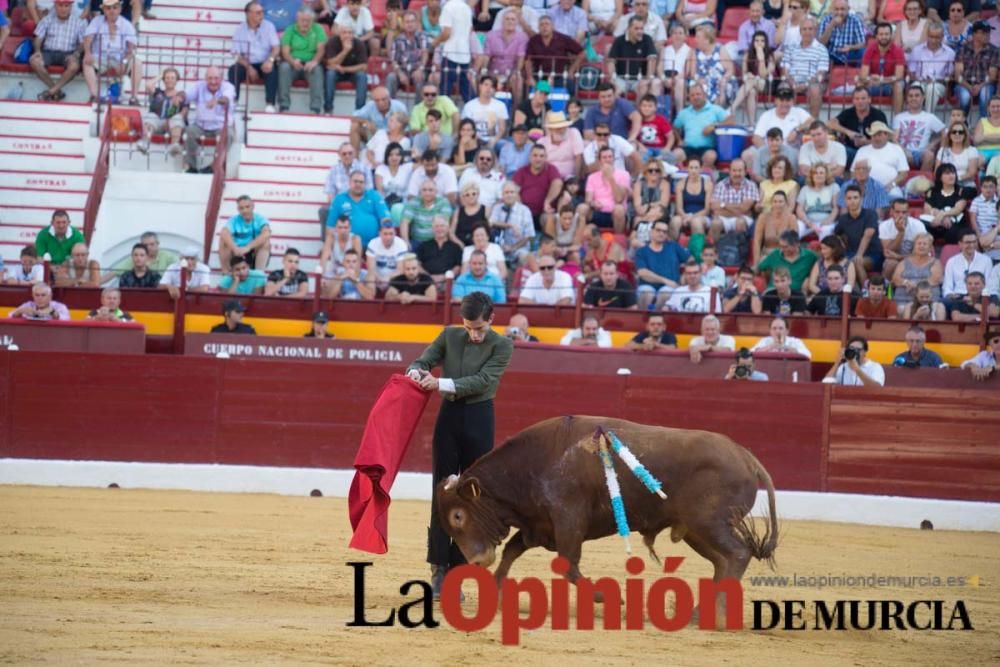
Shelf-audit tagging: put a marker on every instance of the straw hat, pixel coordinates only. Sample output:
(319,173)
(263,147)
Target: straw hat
(879,126)
(555,120)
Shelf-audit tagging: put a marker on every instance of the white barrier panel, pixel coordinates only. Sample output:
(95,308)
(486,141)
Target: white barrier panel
(892,511)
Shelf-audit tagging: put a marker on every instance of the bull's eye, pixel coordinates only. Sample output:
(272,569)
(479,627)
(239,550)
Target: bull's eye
(458,517)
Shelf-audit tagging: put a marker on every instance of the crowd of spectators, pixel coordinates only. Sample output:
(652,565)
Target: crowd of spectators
(514,191)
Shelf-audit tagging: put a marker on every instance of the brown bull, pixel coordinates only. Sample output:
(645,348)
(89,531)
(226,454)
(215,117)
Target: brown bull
(548,482)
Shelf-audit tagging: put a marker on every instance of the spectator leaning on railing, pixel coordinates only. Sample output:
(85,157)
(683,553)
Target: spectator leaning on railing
(57,240)
(853,368)
(110,309)
(28,270)
(917,355)
(41,306)
(140,275)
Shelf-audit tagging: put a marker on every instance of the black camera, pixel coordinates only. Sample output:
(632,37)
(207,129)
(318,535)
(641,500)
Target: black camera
(742,372)
(850,353)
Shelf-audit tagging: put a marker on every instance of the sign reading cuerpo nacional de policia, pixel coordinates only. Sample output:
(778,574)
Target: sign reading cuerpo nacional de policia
(298,349)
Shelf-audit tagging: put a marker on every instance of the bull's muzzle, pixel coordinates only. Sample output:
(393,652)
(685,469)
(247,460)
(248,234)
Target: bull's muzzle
(483,558)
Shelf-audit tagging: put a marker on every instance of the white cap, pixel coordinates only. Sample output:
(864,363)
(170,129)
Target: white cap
(191,251)
(450,275)
(624,371)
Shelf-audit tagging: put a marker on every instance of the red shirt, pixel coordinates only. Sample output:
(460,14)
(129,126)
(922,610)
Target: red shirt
(534,187)
(653,133)
(883,64)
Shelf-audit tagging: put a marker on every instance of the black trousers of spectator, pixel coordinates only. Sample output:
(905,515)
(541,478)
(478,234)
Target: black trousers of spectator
(463,433)
(238,74)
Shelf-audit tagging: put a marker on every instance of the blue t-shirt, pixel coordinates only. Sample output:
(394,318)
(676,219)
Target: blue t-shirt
(3,20)
(371,113)
(693,122)
(490,285)
(617,119)
(365,214)
(666,263)
(244,232)
(928,359)
(349,288)
(256,280)
(512,158)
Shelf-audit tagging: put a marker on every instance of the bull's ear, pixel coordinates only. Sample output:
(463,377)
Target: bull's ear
(469,489)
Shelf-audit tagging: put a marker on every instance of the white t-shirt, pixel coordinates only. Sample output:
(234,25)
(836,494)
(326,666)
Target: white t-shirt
(620,145)
(993,281)
(494,256)
(887,162)
(530,15)
(486,116)
(835,154)
(847,377)
(915,130)
(685,300)
(200,277)
(398,184)
(724,343)
(792,38)
(653,27)
(675,59)
(959,160)
(360,25)
(386,259)
(887,232)
(457,16)
(796,118)
(445,180)
(562,287)
(377,145)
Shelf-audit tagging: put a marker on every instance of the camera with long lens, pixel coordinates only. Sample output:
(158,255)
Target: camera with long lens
(744,364)
(850,353)
(742,372)
(514,333)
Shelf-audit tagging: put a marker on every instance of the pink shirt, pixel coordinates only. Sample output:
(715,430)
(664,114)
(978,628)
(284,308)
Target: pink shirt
(504,54)
(563,155)
(604,198)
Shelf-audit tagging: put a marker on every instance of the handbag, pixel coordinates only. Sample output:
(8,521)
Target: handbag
(22,54)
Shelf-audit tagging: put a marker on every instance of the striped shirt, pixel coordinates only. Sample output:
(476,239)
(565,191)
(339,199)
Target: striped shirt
(59,35)
(107,47)
(804,62)
(851,32)
(986,219)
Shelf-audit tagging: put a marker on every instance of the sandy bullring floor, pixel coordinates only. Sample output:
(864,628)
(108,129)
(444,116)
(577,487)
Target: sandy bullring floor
(91,576)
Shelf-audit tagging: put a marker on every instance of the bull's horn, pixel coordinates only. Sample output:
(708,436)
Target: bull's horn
(450,483)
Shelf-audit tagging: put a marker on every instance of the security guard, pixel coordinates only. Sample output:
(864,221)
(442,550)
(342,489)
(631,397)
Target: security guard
(473,357)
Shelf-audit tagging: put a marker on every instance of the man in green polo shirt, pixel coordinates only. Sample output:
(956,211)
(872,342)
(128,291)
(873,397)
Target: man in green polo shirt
(301,52)
(473,358)
(431,100)
(789,254)
(58,239)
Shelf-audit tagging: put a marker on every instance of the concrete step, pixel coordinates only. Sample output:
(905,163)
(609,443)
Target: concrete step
(45,181)
(284,157)
(13,197)
(189,28)
(38,214)
(274,174)
(42,163)
(44,127)
(266,190)
(288,212)
(25,109)
(40,146)
(194,13)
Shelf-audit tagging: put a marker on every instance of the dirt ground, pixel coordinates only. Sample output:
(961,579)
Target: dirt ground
(115,575)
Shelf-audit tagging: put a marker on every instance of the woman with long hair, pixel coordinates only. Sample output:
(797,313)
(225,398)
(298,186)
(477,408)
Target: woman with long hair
(392,177)
(919,266)
(694,13)
(779,175)
(650,201)
(945,204)
(958,152)
(770,225)
(831,253)
(758,74)
(817,203)
(464,154)
(692,199)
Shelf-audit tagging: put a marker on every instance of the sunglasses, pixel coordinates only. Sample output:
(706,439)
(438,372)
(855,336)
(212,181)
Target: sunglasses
(486,159)
(958,131)
(550,267)
(602,134)
(430,94)
(654,171)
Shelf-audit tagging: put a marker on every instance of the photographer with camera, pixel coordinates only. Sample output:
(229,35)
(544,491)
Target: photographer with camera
(743,368)
(854,369)
(517,329)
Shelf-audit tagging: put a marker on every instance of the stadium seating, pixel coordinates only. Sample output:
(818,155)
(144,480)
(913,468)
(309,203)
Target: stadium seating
(43,168)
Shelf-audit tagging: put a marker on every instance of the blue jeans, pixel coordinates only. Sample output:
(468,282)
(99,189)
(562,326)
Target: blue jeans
(360,80)
(965,98)
(451,71)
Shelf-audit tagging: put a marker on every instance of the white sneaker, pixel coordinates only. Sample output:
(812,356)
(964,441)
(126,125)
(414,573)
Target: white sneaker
(143,146)
(174,149)
(269,109)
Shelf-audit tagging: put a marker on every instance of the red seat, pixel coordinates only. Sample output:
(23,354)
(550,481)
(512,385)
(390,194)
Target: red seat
(126,124)
(731,22)
(949,251)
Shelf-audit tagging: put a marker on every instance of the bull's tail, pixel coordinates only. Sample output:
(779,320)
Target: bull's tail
(762,547)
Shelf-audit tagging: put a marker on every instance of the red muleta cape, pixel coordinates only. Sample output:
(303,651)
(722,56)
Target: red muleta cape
(388,431)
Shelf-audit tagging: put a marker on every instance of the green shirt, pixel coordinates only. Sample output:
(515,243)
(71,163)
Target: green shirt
(418,117)
(421,219)
(799,269)
(475,368)
(58,249)
(254,282)
(303,47)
